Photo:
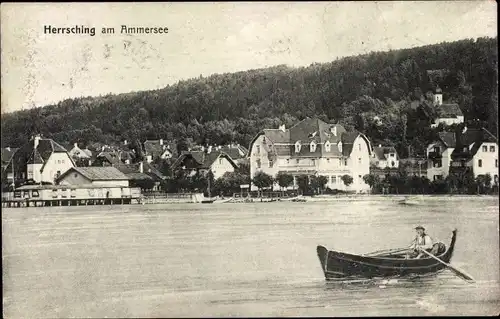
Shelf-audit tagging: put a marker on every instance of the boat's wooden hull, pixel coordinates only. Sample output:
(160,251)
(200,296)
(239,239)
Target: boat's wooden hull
(337,265)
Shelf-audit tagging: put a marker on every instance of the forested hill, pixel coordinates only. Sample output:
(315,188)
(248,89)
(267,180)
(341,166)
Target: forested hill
(233,107)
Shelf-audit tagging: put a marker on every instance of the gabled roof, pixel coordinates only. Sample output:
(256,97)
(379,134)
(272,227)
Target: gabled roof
(156,148)
(282,142)
(380,152)
(80,153)
(135,168)
(472,139)
(234,151)
(202,160)
(448,139)
(449,110)
(107,173)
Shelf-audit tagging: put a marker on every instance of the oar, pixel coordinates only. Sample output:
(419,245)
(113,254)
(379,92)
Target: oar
(394,250)
(462,274)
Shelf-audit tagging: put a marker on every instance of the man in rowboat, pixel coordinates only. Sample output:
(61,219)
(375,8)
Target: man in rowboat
(421,241)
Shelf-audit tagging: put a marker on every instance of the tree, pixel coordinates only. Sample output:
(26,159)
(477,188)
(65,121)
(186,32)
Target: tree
(347,179)
(318,183)
(372,180)
(262,180)
(284,180)
(303,183)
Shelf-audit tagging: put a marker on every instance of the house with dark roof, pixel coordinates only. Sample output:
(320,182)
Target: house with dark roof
(103,176)
(476,149)
(41,160)
(81,157)
(384,156)
(448,113)
(142,173)
(312,147)
(439,156)
(203,161)
(110,157)
(159,149)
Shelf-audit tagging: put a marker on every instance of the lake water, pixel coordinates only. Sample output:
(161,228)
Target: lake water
(254,259)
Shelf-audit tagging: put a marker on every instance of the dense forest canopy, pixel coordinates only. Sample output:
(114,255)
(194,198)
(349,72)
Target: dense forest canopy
(372,93)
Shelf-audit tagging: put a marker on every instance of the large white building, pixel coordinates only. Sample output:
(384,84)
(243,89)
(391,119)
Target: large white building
(41,160)
(476,149)
(312,147)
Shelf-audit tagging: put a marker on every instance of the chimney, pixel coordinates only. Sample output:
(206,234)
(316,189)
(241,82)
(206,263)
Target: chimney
(75,144)
(161,141)
(282,127)
(36,140)
(141,167)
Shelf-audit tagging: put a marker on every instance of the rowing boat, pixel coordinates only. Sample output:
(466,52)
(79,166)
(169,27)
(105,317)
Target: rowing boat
(338,265)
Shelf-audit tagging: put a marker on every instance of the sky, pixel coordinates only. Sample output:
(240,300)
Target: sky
(206,38)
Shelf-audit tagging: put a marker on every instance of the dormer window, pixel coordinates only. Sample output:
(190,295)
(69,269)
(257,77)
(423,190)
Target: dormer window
(312,146)
(264,140)
(340,146)
(297,147)
(327,146)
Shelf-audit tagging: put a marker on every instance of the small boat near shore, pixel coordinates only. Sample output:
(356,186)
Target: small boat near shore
(410,201)
(339,265)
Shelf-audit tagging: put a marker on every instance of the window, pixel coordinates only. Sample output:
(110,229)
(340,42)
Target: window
(438,177)
(360,178)
(327,146)
(359,160)
(485,148)
(258,149)
(313,162)
(270,163)
(436,149)
(328,160)
(34,193)
(62,161)
(312,146)
(495,179)
(63,193)
(264,140)
(297,147)
(287,161)
(220,160)
(345,162)
(492,148)
(30,175)
(359,147)
(76,175)
(437,163)
(480,163)
(392,163)
(391,155)
(340,146)
(73,193)
(258,163)
(297,161)
(496,163)
(377,163)
(54,193)
(334,179)
(340,162)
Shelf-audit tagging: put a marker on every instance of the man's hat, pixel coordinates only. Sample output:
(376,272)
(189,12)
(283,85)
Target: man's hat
(420,227)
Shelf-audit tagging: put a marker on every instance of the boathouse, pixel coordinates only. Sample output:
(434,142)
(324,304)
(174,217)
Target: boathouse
(103,176)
